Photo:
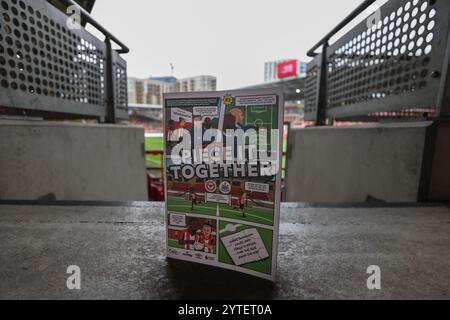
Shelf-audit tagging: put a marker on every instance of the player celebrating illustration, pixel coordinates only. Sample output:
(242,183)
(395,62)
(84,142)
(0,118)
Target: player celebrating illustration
(207,239)
(190,236)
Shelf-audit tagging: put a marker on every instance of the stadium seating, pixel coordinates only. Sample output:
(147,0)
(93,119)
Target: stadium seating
(180,186)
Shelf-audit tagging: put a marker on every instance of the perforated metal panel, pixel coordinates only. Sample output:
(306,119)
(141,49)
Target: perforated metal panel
(46,66)
(394,65)
(312,89)
(120,66)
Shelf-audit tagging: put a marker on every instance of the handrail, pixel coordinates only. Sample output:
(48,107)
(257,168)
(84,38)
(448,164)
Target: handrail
(363,6)
(87,16)
(154,152)
(352,77)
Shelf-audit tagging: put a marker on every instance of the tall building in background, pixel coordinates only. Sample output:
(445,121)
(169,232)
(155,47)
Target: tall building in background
(284,69)
(196,84)
(145,97)
(150,91)
(290,76)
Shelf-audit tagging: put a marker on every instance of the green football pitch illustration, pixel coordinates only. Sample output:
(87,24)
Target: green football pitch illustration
(256,215)
(263,116)
(263,266)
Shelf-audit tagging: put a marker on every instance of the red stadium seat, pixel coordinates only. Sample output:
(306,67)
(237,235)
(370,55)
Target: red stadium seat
(200,187)
(259,196)
(155,189)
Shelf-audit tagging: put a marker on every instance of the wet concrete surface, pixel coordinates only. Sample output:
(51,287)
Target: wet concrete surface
(324,254)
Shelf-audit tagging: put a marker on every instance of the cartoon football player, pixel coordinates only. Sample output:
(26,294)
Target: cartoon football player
(207,238)
(241,203)
(190,236)
(193,198)
(170,130)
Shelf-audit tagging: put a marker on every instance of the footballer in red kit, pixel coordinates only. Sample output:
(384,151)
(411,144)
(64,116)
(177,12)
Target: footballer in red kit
(207,238)
(190,236)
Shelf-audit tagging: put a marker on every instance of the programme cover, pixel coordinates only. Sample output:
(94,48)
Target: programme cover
(223,159)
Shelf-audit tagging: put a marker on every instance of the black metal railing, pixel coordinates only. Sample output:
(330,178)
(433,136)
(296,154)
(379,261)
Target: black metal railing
(392,66)
(49,68)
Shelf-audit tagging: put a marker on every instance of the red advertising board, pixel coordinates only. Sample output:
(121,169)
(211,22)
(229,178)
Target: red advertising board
(288,69)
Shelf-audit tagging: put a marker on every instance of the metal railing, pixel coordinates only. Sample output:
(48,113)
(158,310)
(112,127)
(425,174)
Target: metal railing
(392,66)
(49,69)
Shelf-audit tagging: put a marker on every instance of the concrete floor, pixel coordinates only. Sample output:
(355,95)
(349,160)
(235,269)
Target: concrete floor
(324,254)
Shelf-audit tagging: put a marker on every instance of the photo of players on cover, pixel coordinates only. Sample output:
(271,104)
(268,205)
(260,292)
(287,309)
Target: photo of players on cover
(193,234)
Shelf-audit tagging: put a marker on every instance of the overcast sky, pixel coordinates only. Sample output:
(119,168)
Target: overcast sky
(229,39)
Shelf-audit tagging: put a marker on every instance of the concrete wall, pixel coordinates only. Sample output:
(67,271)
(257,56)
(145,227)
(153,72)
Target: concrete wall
(350,164)
(437,176)
(71,161)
